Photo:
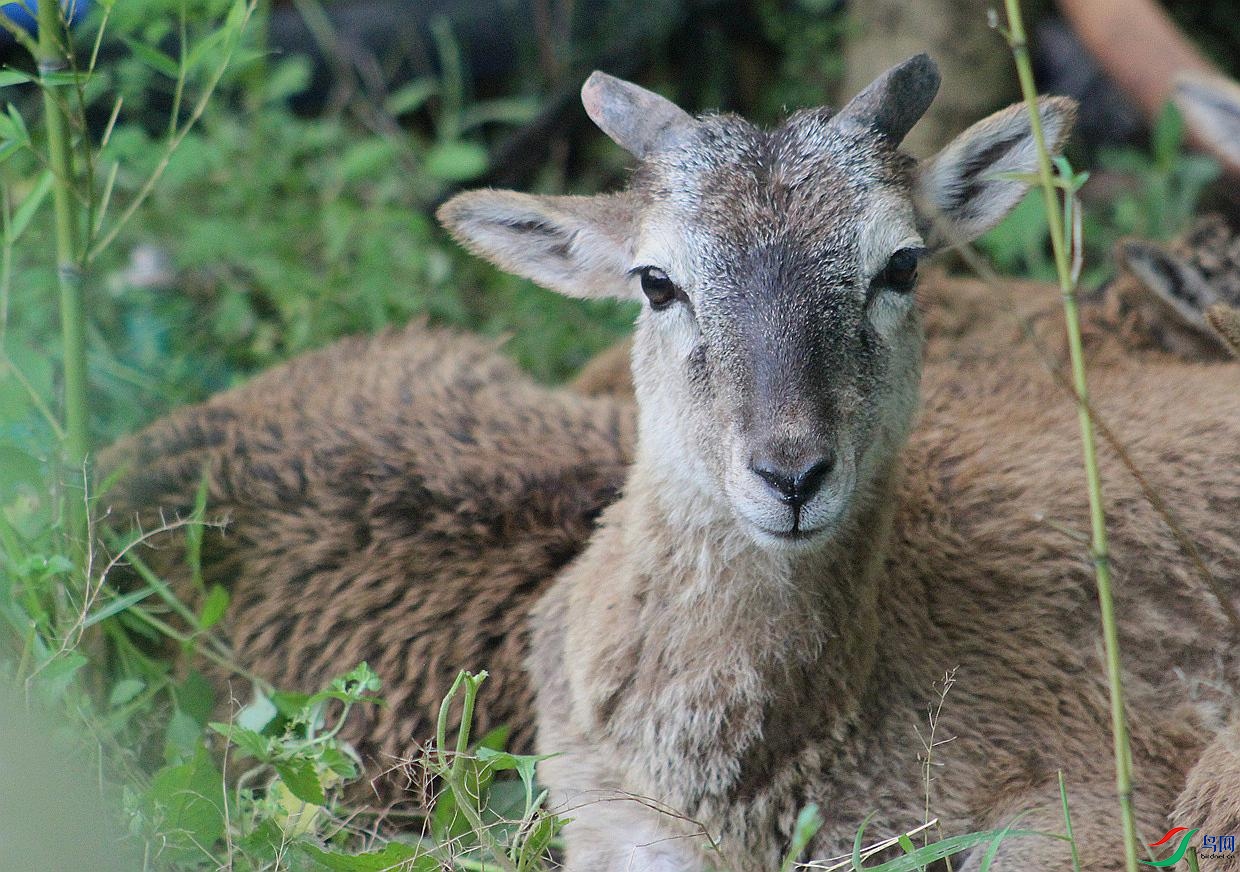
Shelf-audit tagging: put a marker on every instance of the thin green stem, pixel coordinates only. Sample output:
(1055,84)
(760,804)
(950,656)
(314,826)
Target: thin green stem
(467,719)
(182,72)
(1099,548)
(176,635)
(51,59)
(36,399)
(1067,822)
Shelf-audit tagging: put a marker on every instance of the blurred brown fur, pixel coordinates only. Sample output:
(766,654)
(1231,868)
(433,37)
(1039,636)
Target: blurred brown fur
(399,499)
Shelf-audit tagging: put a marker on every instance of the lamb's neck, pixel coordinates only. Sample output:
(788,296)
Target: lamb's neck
(715,596)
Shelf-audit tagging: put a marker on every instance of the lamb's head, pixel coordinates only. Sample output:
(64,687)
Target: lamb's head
(778,350)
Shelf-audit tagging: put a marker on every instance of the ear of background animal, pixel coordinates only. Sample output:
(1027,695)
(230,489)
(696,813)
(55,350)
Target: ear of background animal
(1177,286)
(578,246)
(1226,320)
(968,187)
(1167,289)
(895,101)
(640,121)
(1211,109)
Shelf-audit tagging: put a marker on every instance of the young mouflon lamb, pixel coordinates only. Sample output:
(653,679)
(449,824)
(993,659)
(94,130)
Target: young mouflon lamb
(798,554)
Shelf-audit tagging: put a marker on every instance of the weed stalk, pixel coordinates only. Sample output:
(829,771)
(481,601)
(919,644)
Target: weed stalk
(52,58)
(1098,545)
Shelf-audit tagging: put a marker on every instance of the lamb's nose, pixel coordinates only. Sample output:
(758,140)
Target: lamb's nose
(795,487)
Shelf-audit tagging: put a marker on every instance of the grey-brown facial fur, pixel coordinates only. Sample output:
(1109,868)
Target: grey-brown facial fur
(784,348)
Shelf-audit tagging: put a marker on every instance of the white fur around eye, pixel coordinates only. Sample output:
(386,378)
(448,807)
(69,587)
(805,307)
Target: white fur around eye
(889,309)
(677,325)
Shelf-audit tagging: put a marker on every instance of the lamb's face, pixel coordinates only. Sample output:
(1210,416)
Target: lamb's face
(777,353)
(779,345)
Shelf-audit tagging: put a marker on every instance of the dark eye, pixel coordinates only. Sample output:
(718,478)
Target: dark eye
(658,288)
(900,273)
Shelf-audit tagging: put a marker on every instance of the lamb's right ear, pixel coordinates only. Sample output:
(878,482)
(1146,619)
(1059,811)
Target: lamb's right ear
(579,246)
(968,187)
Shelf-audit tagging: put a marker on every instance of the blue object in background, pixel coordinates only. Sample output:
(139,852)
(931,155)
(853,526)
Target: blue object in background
(23,15)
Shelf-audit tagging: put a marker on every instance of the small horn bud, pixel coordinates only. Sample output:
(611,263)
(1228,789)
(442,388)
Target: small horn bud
(895,101)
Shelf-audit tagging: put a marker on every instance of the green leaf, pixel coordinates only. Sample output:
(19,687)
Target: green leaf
(538,840)
(195,530)
(54,679)
(14,77)
(64,78)
(238,14)
(154,58)
(992,849)
(203,48)
(496,739)
(187,803)
(447,823)
(196,697)
(456,161)
(19,125)
(949,847)
(125,690)
(8,149)
(339,762)
(389,857)
(523,764)
(265,843)
(350,688)
(302,780)
(1168,135)
(30,205)
(367,158)
(17,468)
(809,822)
(288,78)
(514,110)
(411,97)
(182,737)
(290,703)
(248,742)
(214,607)
(118,605)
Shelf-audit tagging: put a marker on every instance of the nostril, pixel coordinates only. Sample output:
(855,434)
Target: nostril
(810,481)
(795,488)
(782,483)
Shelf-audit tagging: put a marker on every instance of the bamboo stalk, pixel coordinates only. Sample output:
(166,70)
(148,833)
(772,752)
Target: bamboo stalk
(52,58)
(1098,546)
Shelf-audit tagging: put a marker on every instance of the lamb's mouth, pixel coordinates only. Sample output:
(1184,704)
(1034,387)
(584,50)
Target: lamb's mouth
(794,535)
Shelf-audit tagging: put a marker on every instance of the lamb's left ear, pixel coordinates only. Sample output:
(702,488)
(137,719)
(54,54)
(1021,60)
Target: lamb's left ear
(961,192)
(579,246)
